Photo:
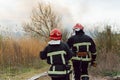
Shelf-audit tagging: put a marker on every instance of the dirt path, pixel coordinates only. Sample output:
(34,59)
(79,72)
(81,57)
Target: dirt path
(44,76)
(91,78)
(100,78)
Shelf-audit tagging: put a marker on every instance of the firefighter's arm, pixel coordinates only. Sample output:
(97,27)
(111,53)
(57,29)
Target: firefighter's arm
(70,42)
(43,54)
(68,51)
(93,53)
(93,61)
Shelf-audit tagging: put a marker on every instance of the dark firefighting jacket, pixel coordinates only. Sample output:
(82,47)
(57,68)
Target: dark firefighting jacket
(57,56)
(82,43)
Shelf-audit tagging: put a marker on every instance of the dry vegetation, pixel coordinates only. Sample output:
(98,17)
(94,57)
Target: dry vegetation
(21,55)
(18,54)
(108,49)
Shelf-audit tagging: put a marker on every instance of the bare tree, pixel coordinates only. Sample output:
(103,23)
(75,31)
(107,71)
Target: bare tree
(43,19)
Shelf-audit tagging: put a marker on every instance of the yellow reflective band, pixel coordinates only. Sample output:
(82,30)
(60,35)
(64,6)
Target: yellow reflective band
(57,53)
(86,59)
(94,53)
(58,72)
(63,59)
(53,68)
(82,44)
(51,59)
(84,76)
(76,58)
(83,59)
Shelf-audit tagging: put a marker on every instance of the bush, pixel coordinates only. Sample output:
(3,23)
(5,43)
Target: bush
(108,59)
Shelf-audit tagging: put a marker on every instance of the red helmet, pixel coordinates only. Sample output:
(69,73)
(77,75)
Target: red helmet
(78,26)
(55,34)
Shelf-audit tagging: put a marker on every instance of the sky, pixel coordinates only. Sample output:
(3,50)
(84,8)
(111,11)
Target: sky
(86,12)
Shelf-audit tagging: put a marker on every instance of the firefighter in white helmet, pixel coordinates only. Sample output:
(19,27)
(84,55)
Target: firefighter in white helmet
(57,54)
(84,50)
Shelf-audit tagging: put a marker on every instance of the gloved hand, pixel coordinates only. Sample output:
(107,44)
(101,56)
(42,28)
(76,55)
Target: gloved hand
(93,63)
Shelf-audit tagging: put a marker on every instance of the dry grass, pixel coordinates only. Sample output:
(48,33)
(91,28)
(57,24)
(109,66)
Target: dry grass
(20,56)
(108,49)
(19,53)
(108,64)
(16,55)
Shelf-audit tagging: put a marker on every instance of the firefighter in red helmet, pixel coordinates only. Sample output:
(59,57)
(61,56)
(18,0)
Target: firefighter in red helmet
(84,50)
(57,54)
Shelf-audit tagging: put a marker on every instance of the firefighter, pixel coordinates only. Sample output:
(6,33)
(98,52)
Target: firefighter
(58,55)
(84,50)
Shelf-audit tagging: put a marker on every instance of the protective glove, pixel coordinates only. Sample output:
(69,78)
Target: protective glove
(93,63)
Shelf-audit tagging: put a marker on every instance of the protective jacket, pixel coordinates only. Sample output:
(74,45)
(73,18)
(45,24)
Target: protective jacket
(82,43)
(57,56)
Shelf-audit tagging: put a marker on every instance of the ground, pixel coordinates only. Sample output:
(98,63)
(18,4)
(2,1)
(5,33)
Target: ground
(27,75)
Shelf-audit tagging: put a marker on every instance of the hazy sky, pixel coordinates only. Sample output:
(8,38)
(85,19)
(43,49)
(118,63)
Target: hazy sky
(15,12)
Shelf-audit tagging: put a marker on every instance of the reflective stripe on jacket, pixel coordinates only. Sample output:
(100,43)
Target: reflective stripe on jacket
(82,43)
(57,56)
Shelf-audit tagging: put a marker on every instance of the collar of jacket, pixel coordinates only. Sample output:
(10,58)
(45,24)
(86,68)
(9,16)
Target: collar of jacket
(54,42)
(81,32)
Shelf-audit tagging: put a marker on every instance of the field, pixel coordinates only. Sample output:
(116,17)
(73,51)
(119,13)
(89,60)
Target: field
(19,58)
